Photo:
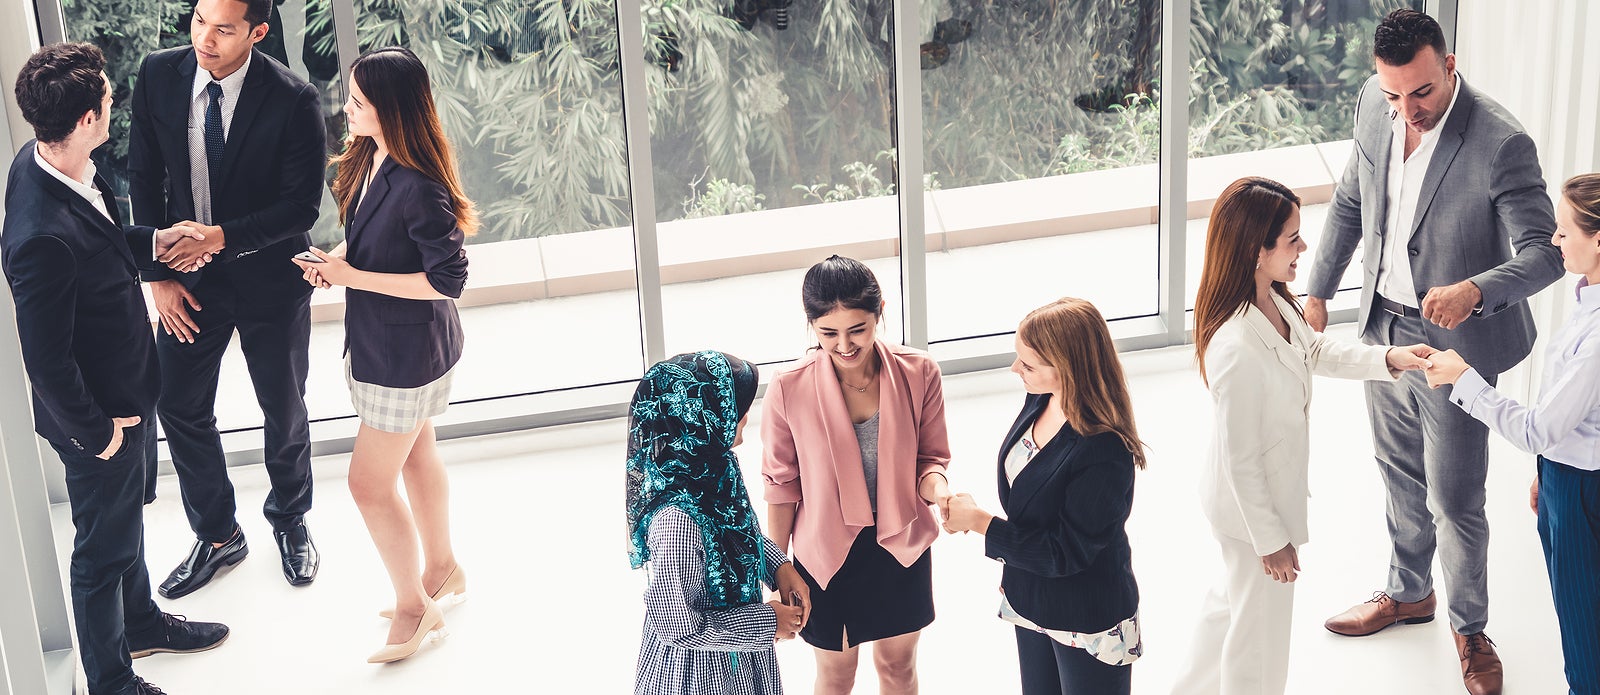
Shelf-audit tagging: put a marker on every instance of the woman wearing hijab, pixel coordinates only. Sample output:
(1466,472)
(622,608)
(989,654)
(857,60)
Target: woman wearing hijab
(706,629)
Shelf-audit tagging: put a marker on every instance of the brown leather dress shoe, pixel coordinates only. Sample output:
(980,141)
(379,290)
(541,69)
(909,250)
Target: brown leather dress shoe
(1379,613)
(1480,665)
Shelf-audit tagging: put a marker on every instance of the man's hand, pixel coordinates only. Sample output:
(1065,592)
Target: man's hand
(1448,306)
(1316,313)
(117,423)
(188,255)
(1533,495)
(170,296)
(165,239)
(1283,566)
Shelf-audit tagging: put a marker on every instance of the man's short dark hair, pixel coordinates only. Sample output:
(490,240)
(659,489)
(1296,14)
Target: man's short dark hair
(257,11)
(59,83)
(1405,32)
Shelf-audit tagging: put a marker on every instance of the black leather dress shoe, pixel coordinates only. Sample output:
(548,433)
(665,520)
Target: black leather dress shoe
(176,635)
(204,560)
(142,688)
(300,558)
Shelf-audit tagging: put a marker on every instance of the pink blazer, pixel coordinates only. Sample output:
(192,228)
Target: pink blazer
(812,457)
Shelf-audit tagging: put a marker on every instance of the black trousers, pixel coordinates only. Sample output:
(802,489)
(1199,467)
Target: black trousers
(1052,668)
(275,339)
(109,583)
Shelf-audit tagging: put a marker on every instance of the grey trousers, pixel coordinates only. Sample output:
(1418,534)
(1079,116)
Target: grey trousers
(1434,459)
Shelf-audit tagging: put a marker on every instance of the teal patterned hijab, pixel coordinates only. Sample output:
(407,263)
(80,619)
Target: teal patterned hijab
(681,426)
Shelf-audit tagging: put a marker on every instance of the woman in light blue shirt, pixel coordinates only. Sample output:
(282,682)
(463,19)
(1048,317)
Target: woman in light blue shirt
(1563,428)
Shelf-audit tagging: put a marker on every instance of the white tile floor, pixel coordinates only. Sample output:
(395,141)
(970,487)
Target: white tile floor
(554,608)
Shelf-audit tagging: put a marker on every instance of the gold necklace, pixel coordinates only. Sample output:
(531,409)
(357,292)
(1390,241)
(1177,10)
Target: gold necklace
(859,389)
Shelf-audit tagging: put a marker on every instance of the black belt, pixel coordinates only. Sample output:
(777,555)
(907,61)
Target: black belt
(1397,308)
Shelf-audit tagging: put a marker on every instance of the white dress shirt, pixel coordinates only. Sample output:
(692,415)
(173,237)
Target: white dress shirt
(1565,425)
(199,166)
(1405,186)
(84,188)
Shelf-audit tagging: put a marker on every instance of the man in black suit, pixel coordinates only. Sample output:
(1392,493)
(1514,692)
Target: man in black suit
(229,141)
(90,359)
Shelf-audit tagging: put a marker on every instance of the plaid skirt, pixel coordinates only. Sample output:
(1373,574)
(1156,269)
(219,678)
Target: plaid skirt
(398,410)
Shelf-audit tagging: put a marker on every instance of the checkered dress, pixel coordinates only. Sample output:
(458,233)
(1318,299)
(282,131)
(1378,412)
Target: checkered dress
(687,647)
(399,410)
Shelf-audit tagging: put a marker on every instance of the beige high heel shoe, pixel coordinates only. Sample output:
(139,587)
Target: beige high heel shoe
(432,624)
(454,588)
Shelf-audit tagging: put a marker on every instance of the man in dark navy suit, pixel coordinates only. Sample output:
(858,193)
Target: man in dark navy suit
(87,346)
(227,140)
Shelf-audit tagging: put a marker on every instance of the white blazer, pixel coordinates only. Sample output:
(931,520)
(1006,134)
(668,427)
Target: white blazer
(1254,488)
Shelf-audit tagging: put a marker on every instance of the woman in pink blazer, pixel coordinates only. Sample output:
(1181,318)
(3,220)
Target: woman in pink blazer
(855,457)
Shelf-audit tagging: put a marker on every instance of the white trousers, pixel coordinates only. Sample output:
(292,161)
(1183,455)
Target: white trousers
(1241,646)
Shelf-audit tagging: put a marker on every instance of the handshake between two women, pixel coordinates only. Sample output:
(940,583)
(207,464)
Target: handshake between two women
(1441,367)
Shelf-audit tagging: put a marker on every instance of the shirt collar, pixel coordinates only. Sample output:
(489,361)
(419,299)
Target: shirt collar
(1588,295)
(84,188)
(1399,125)
(230,84)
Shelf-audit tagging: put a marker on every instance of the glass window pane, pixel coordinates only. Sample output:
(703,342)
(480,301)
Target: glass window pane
(772,148)
(1042,124)
(1275,86)
(530,94)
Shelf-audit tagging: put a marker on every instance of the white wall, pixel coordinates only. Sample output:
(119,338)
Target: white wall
(1537,58)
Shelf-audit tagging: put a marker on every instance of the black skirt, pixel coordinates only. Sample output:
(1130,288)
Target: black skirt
(871,597)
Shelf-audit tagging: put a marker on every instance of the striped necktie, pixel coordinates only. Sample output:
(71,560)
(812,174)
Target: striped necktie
(214,137)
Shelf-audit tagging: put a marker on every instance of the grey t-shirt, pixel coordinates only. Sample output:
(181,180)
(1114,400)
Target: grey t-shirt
(867,439)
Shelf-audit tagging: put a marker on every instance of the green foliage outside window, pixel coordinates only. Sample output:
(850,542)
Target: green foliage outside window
(753,118)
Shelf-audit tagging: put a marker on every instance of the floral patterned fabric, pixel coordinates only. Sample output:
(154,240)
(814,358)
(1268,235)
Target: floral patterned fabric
(681,426)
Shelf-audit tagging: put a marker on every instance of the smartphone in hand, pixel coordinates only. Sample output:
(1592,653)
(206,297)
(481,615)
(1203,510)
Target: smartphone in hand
(308,257)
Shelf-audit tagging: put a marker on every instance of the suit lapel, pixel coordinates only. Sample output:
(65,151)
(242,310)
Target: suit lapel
(1292,358)
(373,197)
(1048,462)
(1030,410)
(87,212)
(854,504)
(1382,155)
(251,96)
(179,187)
(1444,152)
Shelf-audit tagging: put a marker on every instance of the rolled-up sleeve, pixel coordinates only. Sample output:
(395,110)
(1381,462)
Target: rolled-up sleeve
(431,224)
(933,440)
(780,464)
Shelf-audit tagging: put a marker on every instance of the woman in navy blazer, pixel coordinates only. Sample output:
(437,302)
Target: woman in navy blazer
(406,221)
(1066,485)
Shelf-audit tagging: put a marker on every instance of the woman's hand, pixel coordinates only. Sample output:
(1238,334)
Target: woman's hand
(1533,495)
(333,270)
(1409,357)
(789,620)
(1283,565)
(1447,368)
(793,591)
(935,490)
(964,515)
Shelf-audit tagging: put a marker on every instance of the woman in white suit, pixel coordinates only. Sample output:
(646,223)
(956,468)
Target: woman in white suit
(1257,356)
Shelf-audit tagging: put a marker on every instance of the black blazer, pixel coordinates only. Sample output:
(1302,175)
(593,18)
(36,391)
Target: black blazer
(271,181)
(1066,555)
(86,339)
(405,223)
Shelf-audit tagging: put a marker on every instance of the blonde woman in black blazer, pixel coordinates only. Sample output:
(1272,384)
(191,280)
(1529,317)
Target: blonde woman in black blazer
(406,221)
(1066,483)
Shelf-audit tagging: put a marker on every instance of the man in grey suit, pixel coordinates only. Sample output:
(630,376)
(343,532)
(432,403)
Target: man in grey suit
(1440,179)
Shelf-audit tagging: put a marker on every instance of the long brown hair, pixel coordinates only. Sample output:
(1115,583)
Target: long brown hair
(1071,336)
(396,85)
(1248,217)
(1582,192)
